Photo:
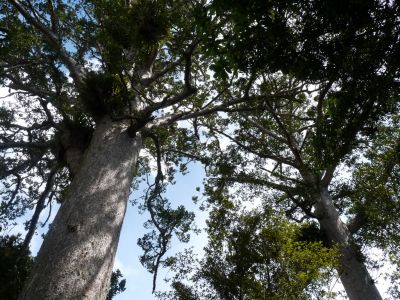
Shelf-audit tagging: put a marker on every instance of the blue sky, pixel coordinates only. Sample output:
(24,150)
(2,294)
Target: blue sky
(139,281)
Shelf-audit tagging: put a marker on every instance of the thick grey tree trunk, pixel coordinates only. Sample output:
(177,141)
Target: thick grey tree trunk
(352,272)
(77,255)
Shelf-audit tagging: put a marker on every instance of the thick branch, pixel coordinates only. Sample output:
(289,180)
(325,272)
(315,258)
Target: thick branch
(148,81)
(241,178)
(186,115)
(188,90)
(27,145)
(328,176)
(357,223)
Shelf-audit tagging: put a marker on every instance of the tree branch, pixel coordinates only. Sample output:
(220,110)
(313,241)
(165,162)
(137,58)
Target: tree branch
(265,131)
(163,238)
(77,73)
(40,206)
(148,81)
(358,222)
(242,178)
(13,195)
(26,164)
(40,145)
(187,91)
(328,176)
(291,142)
(185,115)
(281,159)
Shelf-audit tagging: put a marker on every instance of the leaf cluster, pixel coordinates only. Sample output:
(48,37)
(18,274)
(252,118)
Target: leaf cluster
(256,256)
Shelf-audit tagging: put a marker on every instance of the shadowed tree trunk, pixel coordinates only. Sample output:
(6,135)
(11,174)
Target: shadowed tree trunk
(77,255)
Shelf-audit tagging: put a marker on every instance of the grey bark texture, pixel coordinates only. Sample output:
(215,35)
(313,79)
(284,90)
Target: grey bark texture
(77,255)
(352,271)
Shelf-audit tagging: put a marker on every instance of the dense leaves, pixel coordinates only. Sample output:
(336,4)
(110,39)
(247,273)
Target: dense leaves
(16,263)
(117,286)
(317,40)
(255,256)
(293,104)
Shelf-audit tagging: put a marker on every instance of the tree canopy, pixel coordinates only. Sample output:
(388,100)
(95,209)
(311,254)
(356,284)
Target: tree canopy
(289,104)
(323,86)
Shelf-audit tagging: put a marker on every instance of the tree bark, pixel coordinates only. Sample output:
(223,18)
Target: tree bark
(352,271)
(77,255)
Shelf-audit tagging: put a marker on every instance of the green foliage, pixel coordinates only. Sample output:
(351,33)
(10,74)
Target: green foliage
(267,248)
(254,256)
(376,190)
(311,233)
(309,39)
(165,222)
(134,31)
(319,79)
(15,265)
(117,286)
(102,94)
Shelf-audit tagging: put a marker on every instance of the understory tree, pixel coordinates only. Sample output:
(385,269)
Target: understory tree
(254,254)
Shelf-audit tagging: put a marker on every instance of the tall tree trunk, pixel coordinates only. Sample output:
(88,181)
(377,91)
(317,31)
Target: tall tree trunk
(77,255)
(352,271)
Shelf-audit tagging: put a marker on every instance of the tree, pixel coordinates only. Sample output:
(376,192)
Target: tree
(94,83)
(282,147)
(341,64)
(97,81)
(16,263)
(301,151)
(254,254)
(117,286)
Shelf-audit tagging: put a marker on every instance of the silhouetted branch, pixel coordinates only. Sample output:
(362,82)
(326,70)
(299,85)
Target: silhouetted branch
(40,205)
